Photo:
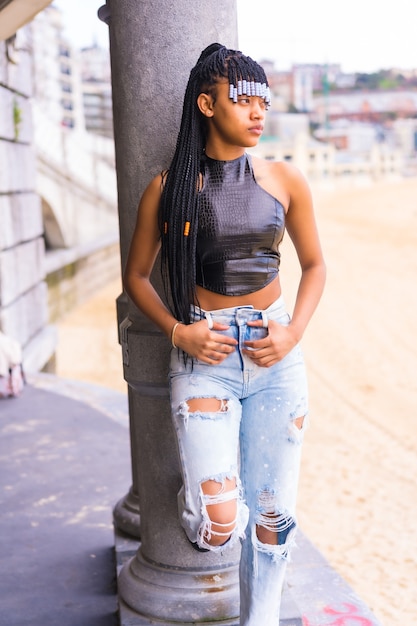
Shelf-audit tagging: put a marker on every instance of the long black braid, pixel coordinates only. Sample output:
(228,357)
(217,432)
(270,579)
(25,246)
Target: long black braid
(178,212)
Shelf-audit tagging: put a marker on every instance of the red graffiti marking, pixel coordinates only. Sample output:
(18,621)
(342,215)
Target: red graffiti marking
(347,615)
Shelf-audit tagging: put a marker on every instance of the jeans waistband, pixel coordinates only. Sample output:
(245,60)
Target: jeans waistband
(238,315)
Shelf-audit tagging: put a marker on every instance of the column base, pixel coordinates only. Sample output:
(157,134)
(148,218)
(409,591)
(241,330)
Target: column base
(126,515)
(179,595)
(127,547)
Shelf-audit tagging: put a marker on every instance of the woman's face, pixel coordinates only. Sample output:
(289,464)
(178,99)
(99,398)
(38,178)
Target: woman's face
(233,123)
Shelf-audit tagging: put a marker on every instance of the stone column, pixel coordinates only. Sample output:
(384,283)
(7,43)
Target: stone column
(153,46)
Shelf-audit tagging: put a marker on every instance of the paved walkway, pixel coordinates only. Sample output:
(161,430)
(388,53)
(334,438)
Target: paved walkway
(64,463)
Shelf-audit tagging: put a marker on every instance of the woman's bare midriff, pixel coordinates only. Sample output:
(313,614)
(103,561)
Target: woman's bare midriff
(262,299)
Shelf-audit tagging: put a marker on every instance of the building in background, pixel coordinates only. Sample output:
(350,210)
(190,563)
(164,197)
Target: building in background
(56,71)
(96,90)
(334,130)
(302,88)
(73,87)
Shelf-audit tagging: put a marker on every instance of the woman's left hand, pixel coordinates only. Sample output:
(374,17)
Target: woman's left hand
(279,341)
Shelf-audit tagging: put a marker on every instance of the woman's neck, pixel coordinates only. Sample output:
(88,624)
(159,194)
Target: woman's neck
(222,152)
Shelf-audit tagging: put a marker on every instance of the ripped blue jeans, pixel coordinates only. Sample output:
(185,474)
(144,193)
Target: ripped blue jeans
(252,442)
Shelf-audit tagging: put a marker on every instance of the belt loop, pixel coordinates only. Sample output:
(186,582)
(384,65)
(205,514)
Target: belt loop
(209,320)
(264,319)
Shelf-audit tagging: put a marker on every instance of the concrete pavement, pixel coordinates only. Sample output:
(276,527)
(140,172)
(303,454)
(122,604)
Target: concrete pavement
(63,464)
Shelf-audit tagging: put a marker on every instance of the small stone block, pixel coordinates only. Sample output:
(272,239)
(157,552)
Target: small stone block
(124,546)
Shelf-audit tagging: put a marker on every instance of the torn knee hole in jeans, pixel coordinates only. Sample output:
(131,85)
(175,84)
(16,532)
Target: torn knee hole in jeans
(274,528)
(224,516)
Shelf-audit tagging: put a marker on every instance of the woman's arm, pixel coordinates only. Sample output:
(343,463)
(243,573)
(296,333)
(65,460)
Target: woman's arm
(301,227)
(143,251)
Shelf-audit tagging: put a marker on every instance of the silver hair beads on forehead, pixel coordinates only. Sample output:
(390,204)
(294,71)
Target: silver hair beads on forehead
(250,88)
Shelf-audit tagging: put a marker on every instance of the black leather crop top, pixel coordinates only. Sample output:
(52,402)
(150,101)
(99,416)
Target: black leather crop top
(240,227)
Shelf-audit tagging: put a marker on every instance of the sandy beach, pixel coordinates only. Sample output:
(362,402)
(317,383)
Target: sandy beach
(358,492)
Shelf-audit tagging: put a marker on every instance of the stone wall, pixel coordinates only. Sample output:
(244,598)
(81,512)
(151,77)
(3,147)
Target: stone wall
(23,290)
(36,287)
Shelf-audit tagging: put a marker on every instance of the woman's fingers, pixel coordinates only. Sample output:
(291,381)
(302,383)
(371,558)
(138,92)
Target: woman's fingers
(205,344)
(270,349)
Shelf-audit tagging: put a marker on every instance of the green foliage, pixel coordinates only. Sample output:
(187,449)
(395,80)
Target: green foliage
(17,119)
(292,108)
(383,79)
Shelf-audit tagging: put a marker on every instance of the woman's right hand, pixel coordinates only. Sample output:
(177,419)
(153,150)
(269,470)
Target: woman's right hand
(203,343)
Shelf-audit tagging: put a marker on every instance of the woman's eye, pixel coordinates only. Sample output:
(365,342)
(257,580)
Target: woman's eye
(247,101)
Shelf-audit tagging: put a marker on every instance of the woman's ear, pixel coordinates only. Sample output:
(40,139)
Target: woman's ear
(205,104)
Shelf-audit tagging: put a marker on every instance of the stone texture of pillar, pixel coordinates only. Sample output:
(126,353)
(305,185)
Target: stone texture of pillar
(153,46)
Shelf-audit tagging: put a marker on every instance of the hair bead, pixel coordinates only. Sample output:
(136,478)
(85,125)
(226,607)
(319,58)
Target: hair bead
(268,96)
(186,229)
(250,88)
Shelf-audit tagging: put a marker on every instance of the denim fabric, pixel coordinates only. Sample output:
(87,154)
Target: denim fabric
(252,438)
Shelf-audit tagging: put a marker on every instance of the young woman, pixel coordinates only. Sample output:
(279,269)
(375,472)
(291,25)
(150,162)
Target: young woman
(238,385)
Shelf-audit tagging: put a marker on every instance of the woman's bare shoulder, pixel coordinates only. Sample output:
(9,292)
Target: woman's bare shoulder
(281,179)
(154,189)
